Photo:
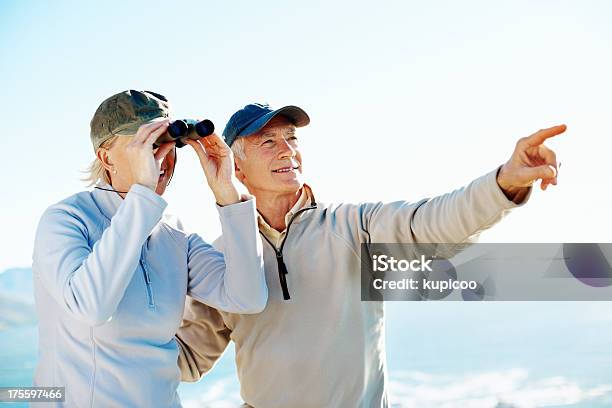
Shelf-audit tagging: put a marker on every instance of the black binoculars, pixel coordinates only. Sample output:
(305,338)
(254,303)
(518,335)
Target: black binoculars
(182,129)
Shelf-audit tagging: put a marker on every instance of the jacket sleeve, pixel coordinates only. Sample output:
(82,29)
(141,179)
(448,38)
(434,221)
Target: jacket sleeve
(202,339)
(89,282)
(235,283)
(454,217)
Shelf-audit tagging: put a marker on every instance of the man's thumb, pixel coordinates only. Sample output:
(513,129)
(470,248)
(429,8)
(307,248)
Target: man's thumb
(539,172)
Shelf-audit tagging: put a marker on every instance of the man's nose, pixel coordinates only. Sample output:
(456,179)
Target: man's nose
(286,150)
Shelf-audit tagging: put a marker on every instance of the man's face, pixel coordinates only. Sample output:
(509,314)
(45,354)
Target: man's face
(272,160)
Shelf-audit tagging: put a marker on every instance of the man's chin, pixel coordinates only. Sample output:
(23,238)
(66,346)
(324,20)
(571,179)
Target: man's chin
(292,186)
(287,187)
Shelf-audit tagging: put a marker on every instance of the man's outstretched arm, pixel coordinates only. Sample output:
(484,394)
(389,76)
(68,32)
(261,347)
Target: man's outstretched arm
(460,215)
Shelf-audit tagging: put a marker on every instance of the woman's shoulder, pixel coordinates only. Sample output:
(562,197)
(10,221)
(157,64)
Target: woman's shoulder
(79,208)
(79,202)
(174,227)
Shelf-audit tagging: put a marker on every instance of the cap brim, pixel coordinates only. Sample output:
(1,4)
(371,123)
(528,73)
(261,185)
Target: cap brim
(297,115)
(132,128)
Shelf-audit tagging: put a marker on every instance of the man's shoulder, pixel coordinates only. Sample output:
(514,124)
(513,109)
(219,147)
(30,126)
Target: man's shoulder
(342,218)
(344,209)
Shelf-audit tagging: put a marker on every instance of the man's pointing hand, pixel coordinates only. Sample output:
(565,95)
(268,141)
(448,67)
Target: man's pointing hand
(530,161)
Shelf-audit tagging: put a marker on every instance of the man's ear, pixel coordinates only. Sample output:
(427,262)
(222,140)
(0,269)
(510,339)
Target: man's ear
(239,174)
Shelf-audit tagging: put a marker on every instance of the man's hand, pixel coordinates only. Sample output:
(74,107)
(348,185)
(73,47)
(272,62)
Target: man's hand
(530,161)
(217,162)
(144,164)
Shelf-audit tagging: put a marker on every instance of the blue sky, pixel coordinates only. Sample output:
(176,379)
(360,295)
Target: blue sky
(407,99)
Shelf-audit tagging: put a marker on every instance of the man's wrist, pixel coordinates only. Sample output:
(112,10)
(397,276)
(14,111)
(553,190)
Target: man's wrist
(515,194)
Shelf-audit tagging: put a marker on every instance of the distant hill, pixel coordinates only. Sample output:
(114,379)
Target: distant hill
(16,298)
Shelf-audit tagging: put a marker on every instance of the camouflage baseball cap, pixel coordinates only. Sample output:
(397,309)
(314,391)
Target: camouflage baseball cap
(123,113)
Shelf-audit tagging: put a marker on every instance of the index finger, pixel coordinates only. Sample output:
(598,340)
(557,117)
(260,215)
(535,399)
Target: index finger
(211,137)
(541,135)
(152,137)
(144,131)
(214,139)
(163,150)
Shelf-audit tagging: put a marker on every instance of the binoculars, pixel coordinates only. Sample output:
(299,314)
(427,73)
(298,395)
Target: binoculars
(183,129)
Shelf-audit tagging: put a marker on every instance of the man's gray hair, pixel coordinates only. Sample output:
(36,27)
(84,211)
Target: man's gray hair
(238,148)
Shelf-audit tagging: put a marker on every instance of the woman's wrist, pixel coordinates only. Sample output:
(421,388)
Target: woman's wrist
(226,195)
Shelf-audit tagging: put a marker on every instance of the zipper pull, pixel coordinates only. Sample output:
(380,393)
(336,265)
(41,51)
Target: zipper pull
(147,279)
(282,275)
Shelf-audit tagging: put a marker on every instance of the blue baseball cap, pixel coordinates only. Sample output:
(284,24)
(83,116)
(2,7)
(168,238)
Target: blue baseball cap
(253,117)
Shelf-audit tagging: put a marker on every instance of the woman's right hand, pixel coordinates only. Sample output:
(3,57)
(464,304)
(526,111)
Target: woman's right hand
(217,161)
(143,162)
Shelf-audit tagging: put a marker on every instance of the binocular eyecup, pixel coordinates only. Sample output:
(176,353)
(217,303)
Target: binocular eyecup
(182,129)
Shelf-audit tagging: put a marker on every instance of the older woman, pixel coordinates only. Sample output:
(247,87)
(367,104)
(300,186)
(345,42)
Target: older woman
(111,274)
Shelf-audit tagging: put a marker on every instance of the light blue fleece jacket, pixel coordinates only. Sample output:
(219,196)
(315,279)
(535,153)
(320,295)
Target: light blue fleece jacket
(110,279)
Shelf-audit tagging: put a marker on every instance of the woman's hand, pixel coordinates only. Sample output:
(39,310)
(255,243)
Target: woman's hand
(144,165)
(217,162)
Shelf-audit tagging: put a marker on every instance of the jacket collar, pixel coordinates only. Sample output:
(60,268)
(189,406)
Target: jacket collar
(308,205)
(107,201)
(302,207)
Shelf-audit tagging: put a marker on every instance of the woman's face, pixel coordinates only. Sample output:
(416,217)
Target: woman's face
(121,174)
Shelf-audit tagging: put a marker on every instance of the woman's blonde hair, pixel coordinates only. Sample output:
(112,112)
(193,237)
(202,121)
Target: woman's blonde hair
(96,171)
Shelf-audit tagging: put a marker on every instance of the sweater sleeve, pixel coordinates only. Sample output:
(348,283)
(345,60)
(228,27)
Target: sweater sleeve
(454,217)
(89,282)
(202,339)
(235,282)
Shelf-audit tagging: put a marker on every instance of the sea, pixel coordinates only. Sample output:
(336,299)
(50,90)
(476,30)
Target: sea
(439,354)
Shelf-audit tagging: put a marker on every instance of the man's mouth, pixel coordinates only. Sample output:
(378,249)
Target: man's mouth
(286,169)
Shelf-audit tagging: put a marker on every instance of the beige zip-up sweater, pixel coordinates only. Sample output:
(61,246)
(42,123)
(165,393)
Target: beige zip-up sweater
(324,347)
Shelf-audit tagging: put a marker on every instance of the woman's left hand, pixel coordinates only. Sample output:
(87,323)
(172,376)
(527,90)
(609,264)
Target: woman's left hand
(217,161)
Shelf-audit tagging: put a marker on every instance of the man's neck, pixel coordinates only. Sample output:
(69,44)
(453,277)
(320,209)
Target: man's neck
(273,207)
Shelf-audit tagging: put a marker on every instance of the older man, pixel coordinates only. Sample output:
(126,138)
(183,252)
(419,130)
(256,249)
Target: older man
(317,344)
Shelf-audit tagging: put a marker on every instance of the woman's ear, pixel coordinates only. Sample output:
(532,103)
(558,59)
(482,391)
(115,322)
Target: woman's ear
(103,155)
